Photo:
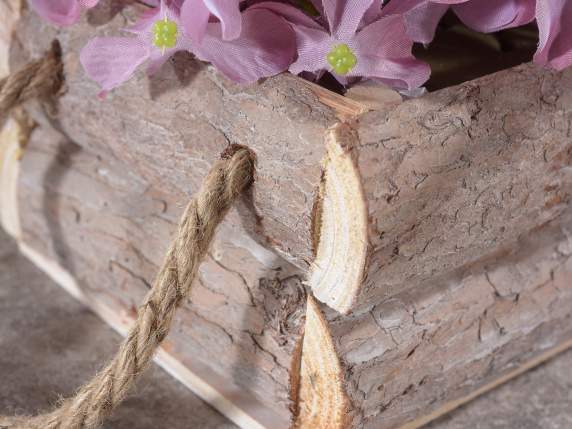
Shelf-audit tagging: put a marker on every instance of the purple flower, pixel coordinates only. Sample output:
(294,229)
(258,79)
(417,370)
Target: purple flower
(554,19)
(110,61)
(495,15)
(422,16)
(195,16)
(61,12)
(352,46)
(265,47)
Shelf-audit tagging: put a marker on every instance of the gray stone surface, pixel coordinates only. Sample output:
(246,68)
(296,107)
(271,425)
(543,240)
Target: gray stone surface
(50,344)
(539,399)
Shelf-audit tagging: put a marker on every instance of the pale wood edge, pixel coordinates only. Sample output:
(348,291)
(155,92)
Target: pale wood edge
(344,107)
(322,399)
(452,405)
(9,16)
(11,133)
(341,222)
(10,152)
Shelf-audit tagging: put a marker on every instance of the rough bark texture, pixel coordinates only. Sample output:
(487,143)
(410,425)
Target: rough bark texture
(420,351)
(466,192)
(447,180)
(464,173)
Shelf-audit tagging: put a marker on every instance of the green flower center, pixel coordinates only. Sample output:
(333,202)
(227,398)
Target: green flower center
(165,34)
(342,59)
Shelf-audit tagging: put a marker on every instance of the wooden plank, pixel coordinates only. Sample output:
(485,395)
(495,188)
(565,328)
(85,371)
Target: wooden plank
(460,336)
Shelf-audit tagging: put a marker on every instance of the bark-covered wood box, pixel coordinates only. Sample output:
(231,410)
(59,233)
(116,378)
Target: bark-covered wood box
(435,233)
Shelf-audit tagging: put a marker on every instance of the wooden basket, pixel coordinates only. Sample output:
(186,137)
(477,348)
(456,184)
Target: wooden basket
(437,230)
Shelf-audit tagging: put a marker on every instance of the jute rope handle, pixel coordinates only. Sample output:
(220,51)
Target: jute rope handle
(38,79)
(227,179)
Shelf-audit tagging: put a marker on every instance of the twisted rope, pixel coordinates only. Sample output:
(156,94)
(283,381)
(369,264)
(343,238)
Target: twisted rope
(97,399)
(37,79)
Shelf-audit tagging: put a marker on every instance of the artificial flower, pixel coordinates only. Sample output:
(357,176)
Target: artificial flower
(110,61)
(352,47)
(423,16)
(61,12)
(195,15)
(266,46)
(554,19)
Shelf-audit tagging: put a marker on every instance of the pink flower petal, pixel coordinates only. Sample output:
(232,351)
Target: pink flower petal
(195,18)
(289,13)
(421,16)
(422,21)
(383,50)
(60,12)
(344,16)
(228,12)
(373,12)
(386,38)
(313,48)
(110,61)
(145,21)
(548,19)
(265,47)
(496,14)
(406,74)
(554,19)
